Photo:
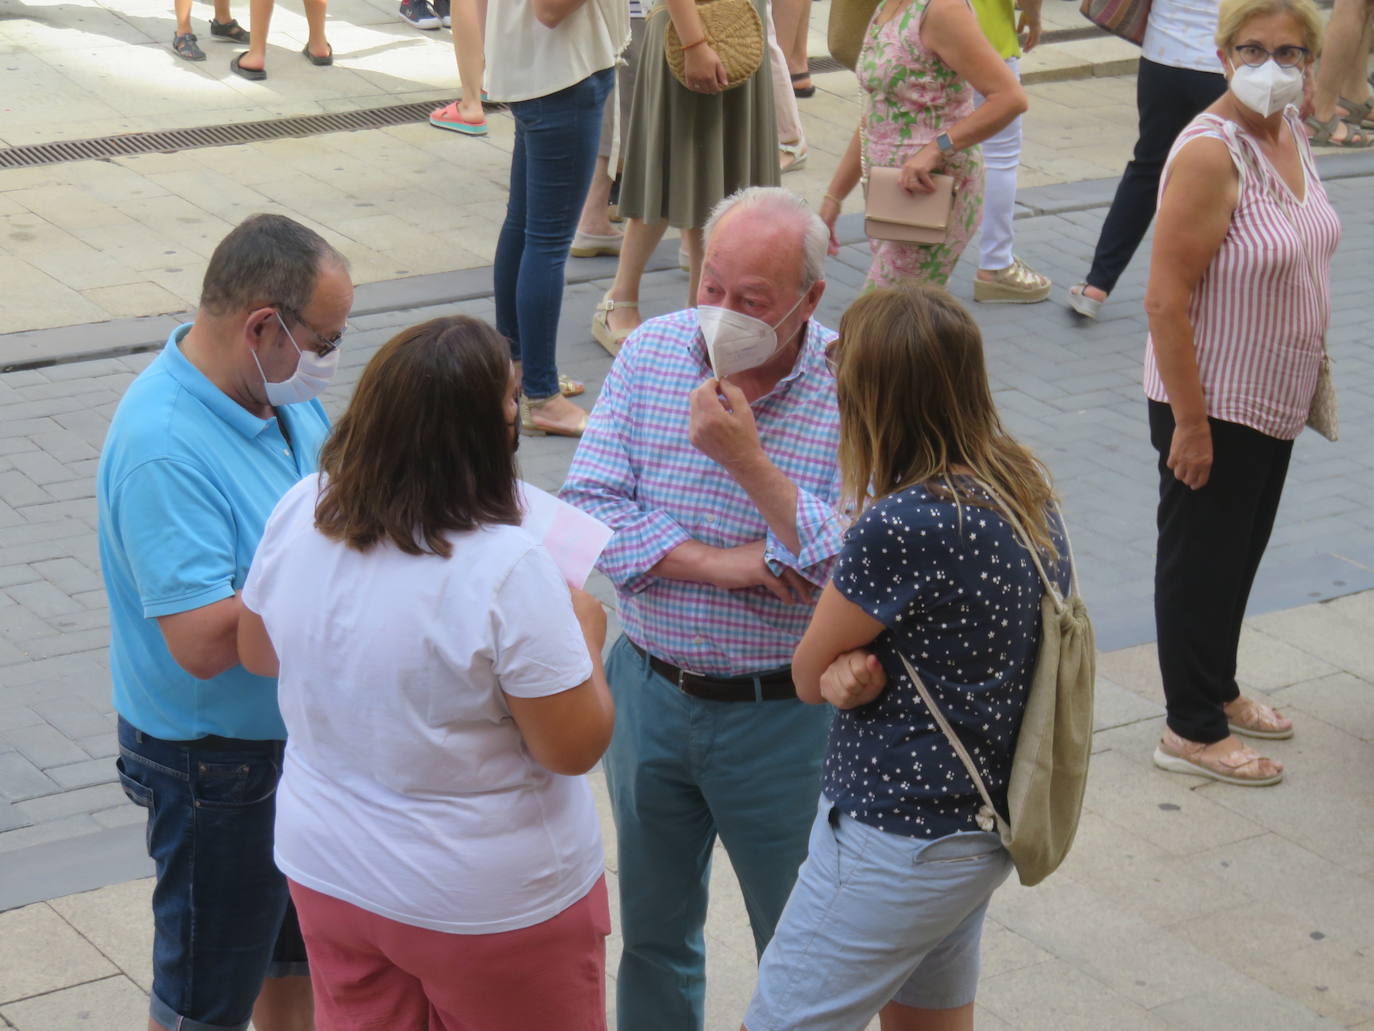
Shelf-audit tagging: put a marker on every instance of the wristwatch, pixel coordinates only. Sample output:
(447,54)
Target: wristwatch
(944,142)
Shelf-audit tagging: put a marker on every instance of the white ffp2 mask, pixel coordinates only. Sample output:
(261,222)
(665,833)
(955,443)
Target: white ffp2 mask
(1268,88)
(736,342)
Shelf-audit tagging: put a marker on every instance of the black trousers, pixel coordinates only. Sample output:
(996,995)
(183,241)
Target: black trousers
(1167,99)
(1211,541)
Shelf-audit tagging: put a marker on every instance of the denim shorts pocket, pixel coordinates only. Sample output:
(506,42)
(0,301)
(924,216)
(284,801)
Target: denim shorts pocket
(233,784)
(138,794)
(961,848)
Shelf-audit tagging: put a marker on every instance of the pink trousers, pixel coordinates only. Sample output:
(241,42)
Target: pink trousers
(370,973)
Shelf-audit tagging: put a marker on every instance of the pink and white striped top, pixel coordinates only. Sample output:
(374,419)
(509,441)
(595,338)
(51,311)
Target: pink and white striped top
(1261,309)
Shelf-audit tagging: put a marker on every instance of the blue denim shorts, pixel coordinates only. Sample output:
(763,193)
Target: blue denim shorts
(877,918)
(221,911)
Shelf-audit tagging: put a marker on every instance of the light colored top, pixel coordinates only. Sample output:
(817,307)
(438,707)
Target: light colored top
(637,472)
(186,480)
(1261,309)
(407,789)
(1182,34)
(997,19)
(527,60)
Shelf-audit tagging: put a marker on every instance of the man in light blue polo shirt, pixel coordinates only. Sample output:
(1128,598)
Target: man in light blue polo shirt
(204,443)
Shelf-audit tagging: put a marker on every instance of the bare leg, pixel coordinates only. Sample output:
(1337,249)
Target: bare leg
(468,19)
(595,218)
(789,19)
(183,13)
(314,18)
(1356,85)
(1341,56)
(285,1004)
(694,242)
(259,19)
(224,16)
(635,251)
(896,1017)
(796,50)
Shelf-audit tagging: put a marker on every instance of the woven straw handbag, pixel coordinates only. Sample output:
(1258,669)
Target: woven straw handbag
(735,33)
(1323,415)
(844,34)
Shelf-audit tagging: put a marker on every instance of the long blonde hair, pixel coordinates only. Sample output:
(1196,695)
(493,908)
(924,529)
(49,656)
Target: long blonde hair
(916,408)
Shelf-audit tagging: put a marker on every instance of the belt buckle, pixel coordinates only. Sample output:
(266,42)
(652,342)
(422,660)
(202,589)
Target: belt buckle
(682,675)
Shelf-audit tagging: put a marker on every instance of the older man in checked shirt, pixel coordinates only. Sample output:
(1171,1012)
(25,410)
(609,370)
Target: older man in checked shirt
(723,496)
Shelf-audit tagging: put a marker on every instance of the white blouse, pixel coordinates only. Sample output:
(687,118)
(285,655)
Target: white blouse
(1181,34)
(526,60)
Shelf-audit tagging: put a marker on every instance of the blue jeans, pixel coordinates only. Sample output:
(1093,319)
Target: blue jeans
(221,914)
(555,154)
(680,771)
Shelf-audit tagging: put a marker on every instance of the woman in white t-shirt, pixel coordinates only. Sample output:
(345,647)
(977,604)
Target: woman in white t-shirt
(442,691)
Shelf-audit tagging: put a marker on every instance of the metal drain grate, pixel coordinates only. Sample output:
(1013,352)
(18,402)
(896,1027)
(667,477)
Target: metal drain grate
(211,135)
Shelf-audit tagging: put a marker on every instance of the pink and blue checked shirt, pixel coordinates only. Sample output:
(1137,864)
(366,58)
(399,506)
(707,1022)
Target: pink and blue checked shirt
(636,471)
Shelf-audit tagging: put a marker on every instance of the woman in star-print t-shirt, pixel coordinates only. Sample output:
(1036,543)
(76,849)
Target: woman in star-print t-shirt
(888,908)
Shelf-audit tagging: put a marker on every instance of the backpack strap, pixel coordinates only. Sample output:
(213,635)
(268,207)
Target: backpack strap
(958,747)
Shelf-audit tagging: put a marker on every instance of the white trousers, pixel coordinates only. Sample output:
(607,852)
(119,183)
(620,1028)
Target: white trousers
(1001,157)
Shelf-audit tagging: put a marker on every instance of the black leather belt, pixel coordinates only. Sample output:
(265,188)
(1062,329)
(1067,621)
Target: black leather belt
(773,686)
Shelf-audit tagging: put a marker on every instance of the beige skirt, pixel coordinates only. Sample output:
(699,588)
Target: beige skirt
(686,151)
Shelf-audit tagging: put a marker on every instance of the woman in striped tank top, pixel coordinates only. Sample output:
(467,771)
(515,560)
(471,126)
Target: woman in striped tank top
(1238,304)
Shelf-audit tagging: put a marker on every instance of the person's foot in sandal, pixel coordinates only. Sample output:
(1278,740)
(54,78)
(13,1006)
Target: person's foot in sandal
(185,46)
(229,32)
(802,86)
(1336,133)
(551,417)
(1227,761)
(1255,719)
(248,71)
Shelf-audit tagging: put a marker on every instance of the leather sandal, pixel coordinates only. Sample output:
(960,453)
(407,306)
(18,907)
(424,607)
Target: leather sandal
(528,406)
(602,333)
(230,32)
(1355,138)
(1255,719)
(184,46)
(803,92)
(569,387)
(1357,114)
(1240,766)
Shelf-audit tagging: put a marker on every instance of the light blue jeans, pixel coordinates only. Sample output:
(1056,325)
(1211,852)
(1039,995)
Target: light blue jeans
(875,918)
(682,770)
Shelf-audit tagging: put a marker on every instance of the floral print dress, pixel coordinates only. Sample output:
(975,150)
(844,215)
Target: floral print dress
(913,96)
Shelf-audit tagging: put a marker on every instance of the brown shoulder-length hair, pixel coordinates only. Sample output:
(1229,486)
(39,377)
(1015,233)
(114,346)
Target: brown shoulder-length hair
(915,406)
(424,448)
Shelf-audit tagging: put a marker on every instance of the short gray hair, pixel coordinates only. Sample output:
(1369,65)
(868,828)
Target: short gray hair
(785,204)
(266,259)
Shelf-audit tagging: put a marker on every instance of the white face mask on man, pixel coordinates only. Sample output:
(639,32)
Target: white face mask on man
(736,342)
(312,375)
(1268,88)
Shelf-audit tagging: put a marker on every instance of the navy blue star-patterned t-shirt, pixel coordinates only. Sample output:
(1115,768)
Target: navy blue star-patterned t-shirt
(960,597)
